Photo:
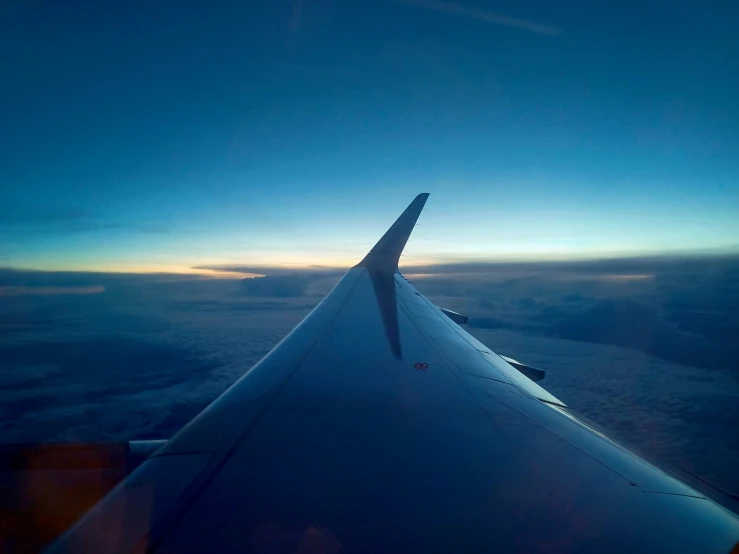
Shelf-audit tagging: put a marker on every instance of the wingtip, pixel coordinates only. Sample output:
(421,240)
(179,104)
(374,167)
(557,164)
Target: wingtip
(386,253)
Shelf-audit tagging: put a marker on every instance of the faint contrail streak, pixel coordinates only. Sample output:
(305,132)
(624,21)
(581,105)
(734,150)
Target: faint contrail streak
(490,17)
(294,24)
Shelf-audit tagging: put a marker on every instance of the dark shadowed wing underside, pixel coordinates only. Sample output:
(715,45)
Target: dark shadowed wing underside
(380,425)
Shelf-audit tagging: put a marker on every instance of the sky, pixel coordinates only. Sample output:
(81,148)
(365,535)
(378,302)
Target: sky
(161,136)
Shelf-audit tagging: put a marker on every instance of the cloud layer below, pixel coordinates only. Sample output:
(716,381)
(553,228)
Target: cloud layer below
(651,358)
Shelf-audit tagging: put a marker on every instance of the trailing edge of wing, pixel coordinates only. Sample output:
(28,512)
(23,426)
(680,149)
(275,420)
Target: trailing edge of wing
(385,254)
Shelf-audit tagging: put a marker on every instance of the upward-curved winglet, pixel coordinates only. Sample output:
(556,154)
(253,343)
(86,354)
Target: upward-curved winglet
(385,254)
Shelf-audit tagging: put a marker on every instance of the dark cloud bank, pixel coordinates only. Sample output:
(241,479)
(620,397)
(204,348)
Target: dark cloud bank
(683,310)
(646,347)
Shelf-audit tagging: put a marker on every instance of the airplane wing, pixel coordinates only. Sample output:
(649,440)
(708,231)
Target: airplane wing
(380,425)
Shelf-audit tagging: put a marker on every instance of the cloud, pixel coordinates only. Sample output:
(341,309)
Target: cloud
(138,361)
(279,286)
(18,215)
(38,278)
(66,221)
(269,281)
(486,16)
(680,309)
(637,325)
(273,270)
(92,226)
(679,416)
(50,291)
(643,266)
(145,357)
(94,377)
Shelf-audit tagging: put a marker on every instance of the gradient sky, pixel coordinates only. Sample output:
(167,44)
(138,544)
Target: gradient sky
(160,136)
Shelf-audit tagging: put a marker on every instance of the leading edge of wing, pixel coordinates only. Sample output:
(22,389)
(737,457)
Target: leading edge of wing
(385,255)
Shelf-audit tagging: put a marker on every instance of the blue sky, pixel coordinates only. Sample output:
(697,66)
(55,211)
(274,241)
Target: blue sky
(148,136)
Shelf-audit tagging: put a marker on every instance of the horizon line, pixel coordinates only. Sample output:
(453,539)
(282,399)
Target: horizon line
(241,270)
